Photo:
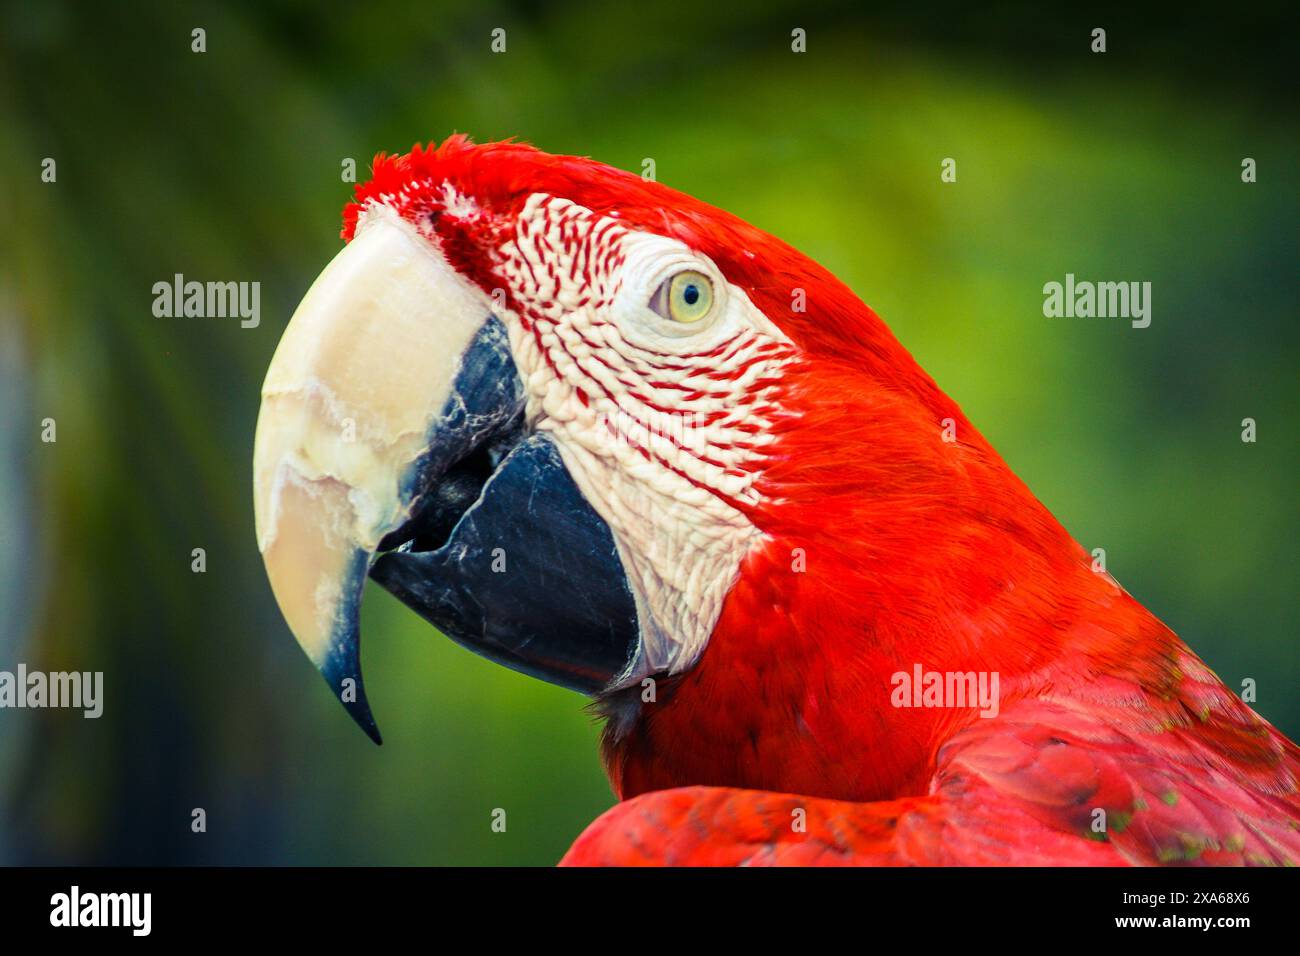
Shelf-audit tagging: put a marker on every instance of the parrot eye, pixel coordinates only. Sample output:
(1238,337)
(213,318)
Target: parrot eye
(686,297)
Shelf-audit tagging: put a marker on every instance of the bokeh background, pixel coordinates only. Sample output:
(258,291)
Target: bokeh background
(226,165)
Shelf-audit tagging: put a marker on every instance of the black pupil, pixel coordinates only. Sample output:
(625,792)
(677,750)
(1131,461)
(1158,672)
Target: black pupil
(691,294)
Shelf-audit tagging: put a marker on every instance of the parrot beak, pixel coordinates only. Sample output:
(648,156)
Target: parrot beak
(365,368)
(390,442)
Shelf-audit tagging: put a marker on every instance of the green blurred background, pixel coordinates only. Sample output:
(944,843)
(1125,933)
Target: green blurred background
(226,165)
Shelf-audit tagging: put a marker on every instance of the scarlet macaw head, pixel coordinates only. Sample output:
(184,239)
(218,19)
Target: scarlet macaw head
(584,423)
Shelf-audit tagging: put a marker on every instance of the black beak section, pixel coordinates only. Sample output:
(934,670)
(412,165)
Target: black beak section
(503,554)
(529,576)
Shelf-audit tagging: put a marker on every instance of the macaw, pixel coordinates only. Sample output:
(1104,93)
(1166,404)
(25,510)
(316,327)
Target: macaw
(620,440)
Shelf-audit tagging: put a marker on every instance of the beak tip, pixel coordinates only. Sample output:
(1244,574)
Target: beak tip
(359,710)
(345,682)
(373,733)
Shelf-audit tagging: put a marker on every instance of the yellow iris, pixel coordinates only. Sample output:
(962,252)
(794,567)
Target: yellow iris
(687,295)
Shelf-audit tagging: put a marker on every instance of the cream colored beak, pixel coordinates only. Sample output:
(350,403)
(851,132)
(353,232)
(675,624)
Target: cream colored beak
(351,404)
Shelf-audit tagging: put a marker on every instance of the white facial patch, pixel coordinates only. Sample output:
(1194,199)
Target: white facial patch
(662,424)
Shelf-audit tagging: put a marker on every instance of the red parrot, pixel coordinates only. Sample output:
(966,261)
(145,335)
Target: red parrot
(610,436)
